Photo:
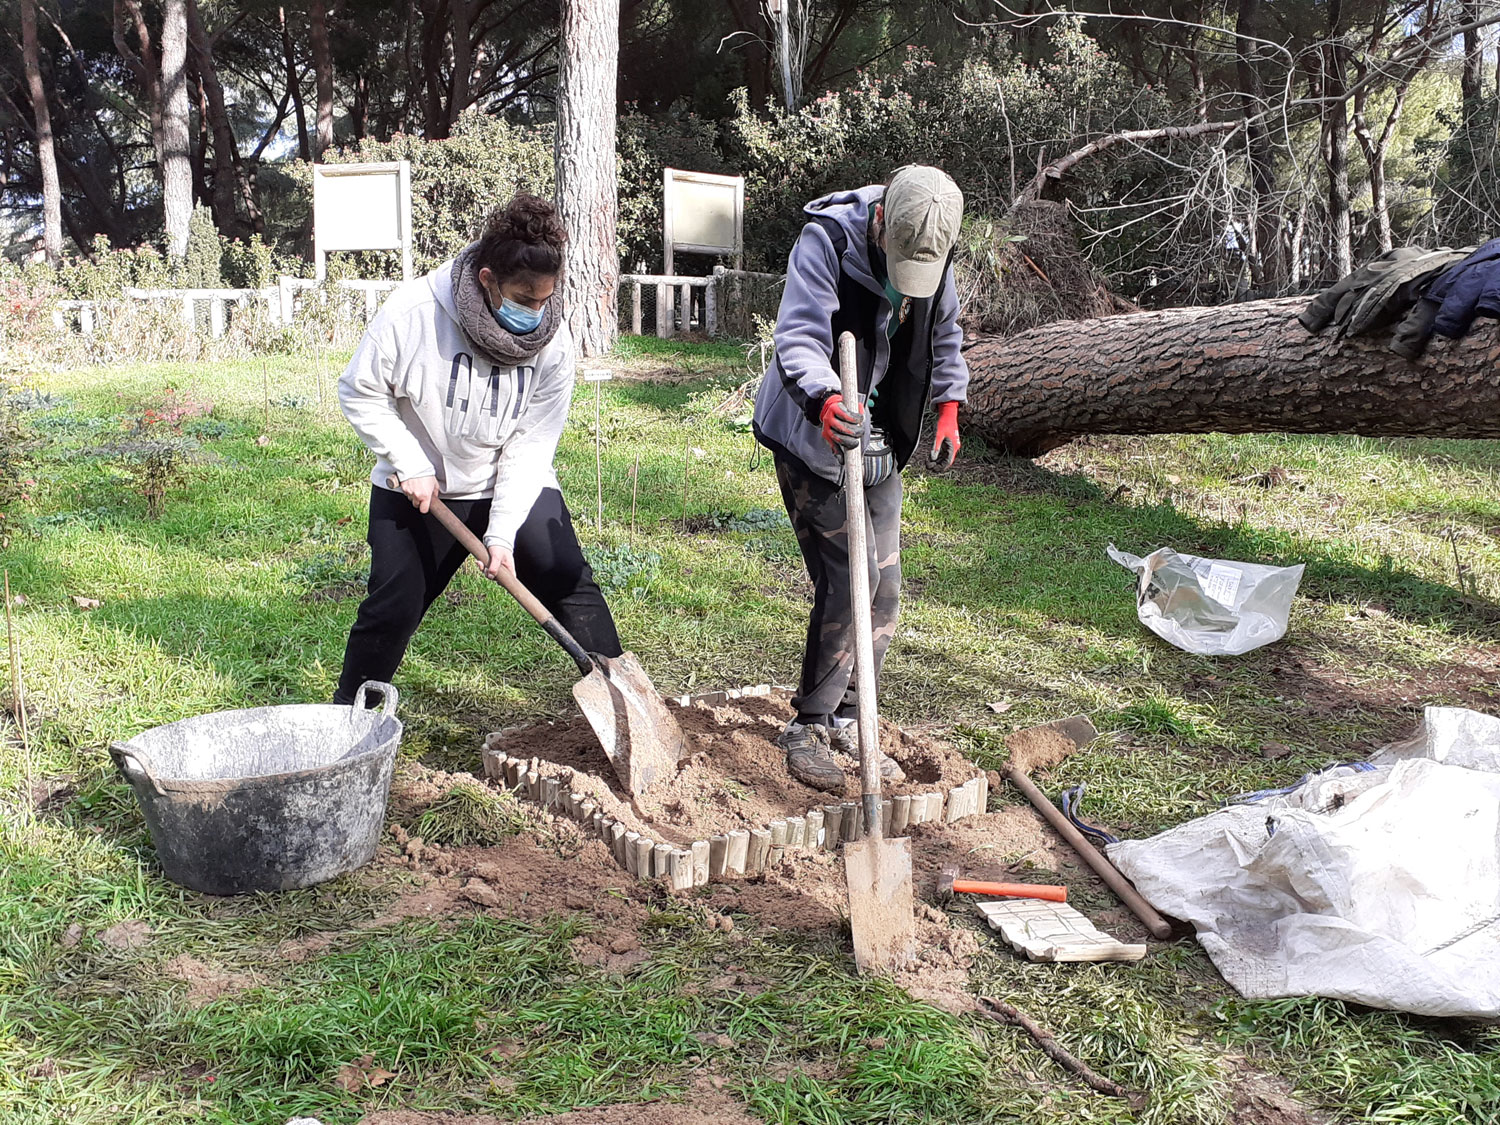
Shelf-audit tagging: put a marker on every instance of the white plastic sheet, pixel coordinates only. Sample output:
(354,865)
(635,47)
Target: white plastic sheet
(1378,887)
(1212,607)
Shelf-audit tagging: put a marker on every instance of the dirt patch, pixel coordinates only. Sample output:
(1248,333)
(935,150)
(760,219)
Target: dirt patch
(704,1105)
(126,935)
(1265,1099)
(735,775)
(206,982)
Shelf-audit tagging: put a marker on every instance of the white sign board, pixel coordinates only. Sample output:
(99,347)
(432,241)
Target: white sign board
(362,207)
(702,214)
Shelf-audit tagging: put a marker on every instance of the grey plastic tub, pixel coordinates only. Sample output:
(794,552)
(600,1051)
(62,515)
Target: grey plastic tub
(266,799)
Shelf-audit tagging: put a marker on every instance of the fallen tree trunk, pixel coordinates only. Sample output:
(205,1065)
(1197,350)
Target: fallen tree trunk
(1247,368)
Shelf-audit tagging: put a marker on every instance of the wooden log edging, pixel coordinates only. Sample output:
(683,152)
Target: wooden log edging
(739,852)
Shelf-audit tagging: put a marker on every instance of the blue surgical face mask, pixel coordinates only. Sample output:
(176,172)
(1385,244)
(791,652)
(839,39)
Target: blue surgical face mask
(517,318)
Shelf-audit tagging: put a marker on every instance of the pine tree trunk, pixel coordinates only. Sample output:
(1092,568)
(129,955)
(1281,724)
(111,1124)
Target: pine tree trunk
(294,87)
(1247,368)
(176,154)
(46,152)
(588,54)
(317,16)
(230,179)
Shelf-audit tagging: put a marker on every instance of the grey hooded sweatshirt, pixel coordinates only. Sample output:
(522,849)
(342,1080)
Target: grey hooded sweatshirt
(827,291)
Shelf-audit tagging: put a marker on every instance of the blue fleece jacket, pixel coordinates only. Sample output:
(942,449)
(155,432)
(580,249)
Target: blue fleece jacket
(803,372)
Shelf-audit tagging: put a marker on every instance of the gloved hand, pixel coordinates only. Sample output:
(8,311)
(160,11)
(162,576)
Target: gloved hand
(841,429)
(945,443)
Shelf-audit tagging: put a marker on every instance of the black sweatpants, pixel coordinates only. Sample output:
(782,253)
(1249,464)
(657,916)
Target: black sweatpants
(413,558)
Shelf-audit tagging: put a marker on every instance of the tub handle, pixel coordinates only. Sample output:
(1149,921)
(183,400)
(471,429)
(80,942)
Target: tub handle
(127,759)
(387,693)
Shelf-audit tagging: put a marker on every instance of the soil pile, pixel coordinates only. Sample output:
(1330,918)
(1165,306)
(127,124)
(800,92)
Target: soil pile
(734,776)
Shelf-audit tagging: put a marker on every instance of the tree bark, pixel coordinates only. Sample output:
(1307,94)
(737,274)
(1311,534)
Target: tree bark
(317,15)
(229,172)
(176,137)
(1247,368)
(1335,139)
(45,151)
(294,87)
(142,62)
(589,50)
(1268,257)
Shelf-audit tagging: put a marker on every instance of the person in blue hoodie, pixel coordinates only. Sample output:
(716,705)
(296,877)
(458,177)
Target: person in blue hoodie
(875,262)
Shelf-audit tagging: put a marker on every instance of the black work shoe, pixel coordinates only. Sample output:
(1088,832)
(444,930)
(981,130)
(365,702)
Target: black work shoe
(808,757)
(845,740)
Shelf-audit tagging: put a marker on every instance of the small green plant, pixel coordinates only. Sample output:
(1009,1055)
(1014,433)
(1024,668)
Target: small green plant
(469,814)
(624,568)
(756,519)
(155,455)
(334,573)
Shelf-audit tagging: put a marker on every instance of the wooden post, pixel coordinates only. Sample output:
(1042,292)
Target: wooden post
(887,807)
(549,793)
(685,303)
(796,828)
(955,804)
(718,852)
(778,843)
(711,305)
(849,821)
(661,860)
(663,312)
(700,850)
(900,814)
(814,831)
(216,317)
(738,852)
(617,842)
(681,869)
(833,827)
(635,308)
(632,852)
(760,848)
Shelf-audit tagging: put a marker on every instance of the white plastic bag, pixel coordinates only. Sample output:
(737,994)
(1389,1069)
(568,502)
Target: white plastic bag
(1211,606)
(1377,885)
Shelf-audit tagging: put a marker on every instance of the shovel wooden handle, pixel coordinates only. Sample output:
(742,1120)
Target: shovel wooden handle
(859,597)
(1160,928)
(1011,890)
(471,542)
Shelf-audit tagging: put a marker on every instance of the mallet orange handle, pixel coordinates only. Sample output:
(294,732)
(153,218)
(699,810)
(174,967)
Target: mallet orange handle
(1010,890)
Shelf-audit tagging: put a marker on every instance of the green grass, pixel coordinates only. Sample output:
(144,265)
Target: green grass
(242,594)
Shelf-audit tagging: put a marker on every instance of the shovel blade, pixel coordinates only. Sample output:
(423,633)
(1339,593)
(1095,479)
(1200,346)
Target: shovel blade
(639,735)
(881,911)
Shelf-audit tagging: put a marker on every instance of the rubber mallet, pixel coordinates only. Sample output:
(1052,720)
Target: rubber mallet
(949,884)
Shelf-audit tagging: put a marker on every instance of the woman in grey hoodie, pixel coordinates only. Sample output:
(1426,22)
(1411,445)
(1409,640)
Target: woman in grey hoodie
(460,387)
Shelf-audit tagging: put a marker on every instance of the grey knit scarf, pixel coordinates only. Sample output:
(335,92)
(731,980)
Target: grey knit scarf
(479,324)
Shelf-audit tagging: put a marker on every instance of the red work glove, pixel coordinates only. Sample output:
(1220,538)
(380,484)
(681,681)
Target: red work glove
(945,443)
(841,430)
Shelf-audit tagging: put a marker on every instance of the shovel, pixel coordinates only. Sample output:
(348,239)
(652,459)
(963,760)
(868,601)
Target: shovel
(639,735)
(878,871)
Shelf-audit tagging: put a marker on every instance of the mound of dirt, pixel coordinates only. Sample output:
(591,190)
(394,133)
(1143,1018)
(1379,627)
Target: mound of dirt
(734,776)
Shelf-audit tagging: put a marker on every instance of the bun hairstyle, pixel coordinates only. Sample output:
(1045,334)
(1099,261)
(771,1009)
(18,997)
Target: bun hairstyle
(525,236)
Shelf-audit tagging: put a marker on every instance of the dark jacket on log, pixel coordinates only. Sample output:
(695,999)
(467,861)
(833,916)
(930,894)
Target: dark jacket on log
(836,282)
(1470,289)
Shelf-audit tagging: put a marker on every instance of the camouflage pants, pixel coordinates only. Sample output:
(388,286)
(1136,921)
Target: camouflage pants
(818,514)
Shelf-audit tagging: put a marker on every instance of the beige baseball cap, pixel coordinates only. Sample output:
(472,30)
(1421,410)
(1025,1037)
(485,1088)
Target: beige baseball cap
(923,210)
